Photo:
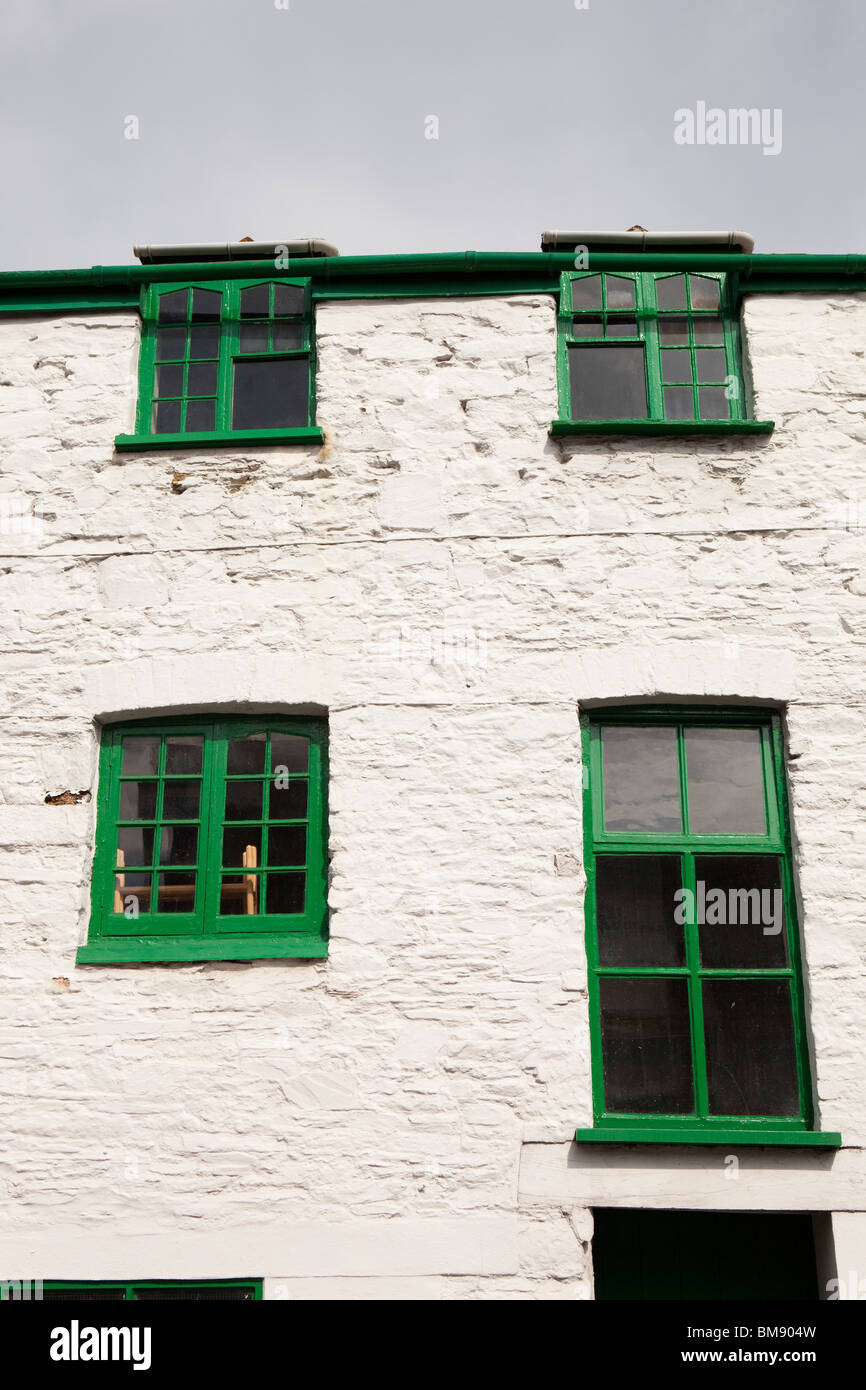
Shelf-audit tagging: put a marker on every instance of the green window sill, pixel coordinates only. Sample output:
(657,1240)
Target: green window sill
(793,1138)
(308,434)
(662,427)
(128,949)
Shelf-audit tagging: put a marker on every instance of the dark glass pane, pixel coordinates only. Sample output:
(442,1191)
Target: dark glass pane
(620,292)
(288,336)
(166,417)
(180,800)
(84,1295)
(131,890)
(289,752)
(271,395)
(134,846)
(254,337)
(172,307)
(646,1046)
(289,802)
(287,845)
(140,757)
(204,341)
(641,779)
(170,344)
(200,1294)
(586,292)
(711,364)
(704,292)
(587,326)
(635,902)
(246,754)
(137,800)
(707,330)
(679,403)
(255,302)
(607,382)
(202,379)
(200,415)
(243,801)
(178,844)
(621,328)
(725,782)
(183,753)
(288,299)
(740,912)
(674,332)
(169,380)
(713,403)
(676,364)
(242,846)
(285,893)
(671,292)
(749,1032)
(240,894)
(206,305)
(175,893)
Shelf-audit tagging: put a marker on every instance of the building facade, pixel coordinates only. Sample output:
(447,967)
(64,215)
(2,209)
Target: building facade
(390,646)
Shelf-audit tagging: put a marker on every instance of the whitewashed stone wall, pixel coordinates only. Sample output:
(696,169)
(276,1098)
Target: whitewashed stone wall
(450,585)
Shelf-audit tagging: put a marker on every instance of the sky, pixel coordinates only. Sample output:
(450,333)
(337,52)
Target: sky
(445,125)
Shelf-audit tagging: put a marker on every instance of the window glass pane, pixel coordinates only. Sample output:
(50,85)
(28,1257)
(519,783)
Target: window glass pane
(289,752)
(713,403)
(271,395)
(169,380)
(242,845)
(671,292)
(289,802)
(254,337)
(586,292)
(646,1045)
(183,753)
(711,364)
(587,326)
(607,382)
(621,328)
(206,305)
(140,757)
(674,332)
(170,344)
(202,379)
(708,330)
(175,893)
(287,845)
(725,782)
(178,844)
(288,299)
(200,415)
(247,754)
(739,910)
(132,891)
(255,302)
(679,403)
(243,801)
(749,1032)
(180,800)
(620,292)
(704,292)
(134,846)
(137,800)
(285,893)
(676,364)
(172,307)
(166,417)
(635,901)
(641,779)
(240,895)
(288,336)
(204,341)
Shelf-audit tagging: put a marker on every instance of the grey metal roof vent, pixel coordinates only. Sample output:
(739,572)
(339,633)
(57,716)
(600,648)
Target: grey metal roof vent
(234,251)
(640,240)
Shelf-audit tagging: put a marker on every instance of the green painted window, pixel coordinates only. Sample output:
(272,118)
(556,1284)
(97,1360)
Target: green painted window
(645,346)
(142,1290)
(696,1000)
(210,841)
(223,361)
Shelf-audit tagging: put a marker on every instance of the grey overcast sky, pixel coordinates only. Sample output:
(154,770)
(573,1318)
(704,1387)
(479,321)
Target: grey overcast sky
(283,118)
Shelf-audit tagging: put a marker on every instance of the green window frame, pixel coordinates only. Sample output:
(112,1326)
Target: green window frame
(210,841)
(140,1290)
(652,352)
(223,362)
(682,771)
